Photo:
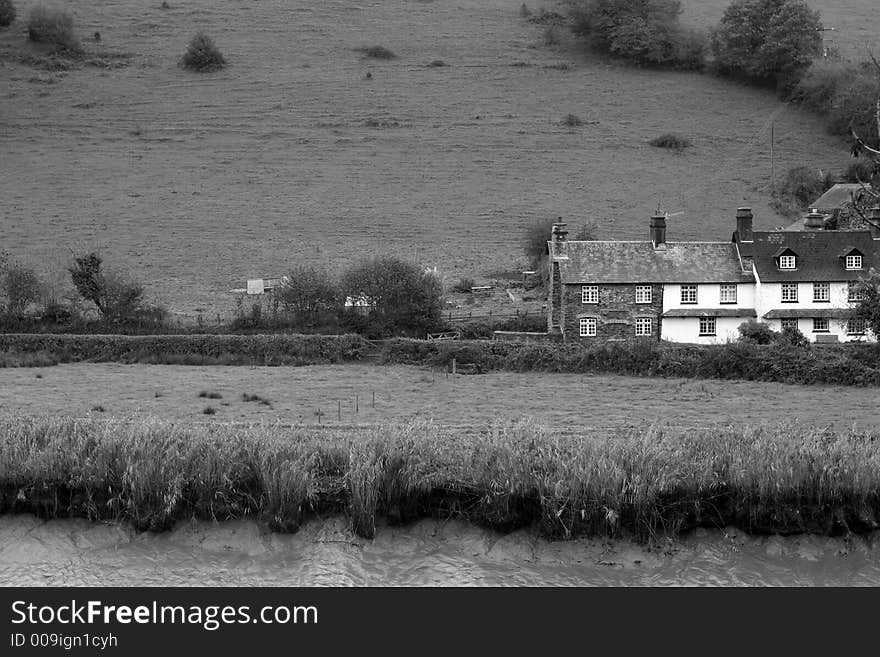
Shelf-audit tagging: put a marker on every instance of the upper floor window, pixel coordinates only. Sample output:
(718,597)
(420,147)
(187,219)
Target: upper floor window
(789,292)
(643,293)
(821,292)
(820,325)
(853,262)
(589,294)
(787,262)
(855,291)
(688,293)
(728,293)
(644,325)
(707,326)
(588,327)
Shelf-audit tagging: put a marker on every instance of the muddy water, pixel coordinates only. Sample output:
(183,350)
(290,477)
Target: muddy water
(430,553)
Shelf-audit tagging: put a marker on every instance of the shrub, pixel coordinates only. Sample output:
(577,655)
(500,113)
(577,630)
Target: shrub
(535,239)
(7,13)
(463,286)
(209,410)
(20,286)
(310,291)
(399,298)
(202,55)
(206,394)
(756,332)
(792,336)
(671,141)
(767,40)
(54,26)
(644,32)
(861,170)
(801,186)
(572,121)
(376,52)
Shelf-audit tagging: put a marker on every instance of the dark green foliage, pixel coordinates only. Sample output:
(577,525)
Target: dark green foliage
(463,286)
(205,394)
(801,186)
(572,121)
(119,301)
(7,13)
(868,309)
(202,55)
(191,349)
(861,170)
(671,141)
(53,26)
(20,287)
(756,332)
(310,292)
(645,32)
(767,40)
(535,239)
(401,298)
(209,410)
(376,52)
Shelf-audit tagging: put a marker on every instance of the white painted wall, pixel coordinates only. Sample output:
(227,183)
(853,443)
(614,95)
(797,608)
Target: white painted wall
(687,329)
(709,296)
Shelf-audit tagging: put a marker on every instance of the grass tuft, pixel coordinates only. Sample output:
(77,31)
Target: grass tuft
(209,410)
(671,141)
(206,394)
(376,52)
(202,55)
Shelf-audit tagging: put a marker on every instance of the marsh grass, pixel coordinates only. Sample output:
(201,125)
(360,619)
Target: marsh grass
(645,483)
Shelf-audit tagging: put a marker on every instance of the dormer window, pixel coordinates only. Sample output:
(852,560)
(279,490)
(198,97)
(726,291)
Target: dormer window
(853,261)
(787,262)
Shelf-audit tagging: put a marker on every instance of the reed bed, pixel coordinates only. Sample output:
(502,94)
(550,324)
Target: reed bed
(642,483)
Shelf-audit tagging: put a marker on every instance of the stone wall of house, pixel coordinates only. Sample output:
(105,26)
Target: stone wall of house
(616,312)
(556,311)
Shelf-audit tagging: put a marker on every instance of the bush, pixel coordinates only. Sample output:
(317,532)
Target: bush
(400,298)
(376,52)
(535,239)
(118,300)
(310,292)
(756,332)
(202,55)
(54,26)
(644,32)
(672,141)
(767,40)
(20,286)
(861,170)
(572,121)
(463,286)
(7,13)
(801,186)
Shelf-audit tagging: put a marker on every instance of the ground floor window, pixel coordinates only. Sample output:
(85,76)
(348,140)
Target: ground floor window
(789,323)
(707,326)
(820,325)
(644,326)
(856,326)
(588,327)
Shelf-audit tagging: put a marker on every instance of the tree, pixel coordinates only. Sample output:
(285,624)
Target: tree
(767,40)
(117,300)
(401,298)
(20,287)
(642,31)
(867,308)
(309,292)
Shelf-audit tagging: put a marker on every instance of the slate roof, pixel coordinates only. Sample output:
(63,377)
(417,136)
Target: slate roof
(605,262)
(710,312)
(819,254)
(837,196)
(798,313)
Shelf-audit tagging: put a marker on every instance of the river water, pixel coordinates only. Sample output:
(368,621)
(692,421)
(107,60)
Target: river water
(428,553)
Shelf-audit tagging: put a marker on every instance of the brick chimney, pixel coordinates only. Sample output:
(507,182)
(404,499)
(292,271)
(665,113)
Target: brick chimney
(874,224)
(559,233)
(744,219)
(658,231)
(814,221)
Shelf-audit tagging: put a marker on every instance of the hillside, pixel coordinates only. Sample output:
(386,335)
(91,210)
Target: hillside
(196,182)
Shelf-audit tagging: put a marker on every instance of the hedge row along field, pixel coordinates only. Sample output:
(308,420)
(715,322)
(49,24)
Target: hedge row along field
(280,349)
(643,484)
(852,364)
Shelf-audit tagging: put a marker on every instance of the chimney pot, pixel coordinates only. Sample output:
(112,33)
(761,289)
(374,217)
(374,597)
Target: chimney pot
(658,231)
(559,232)
(814,221)
(744,219)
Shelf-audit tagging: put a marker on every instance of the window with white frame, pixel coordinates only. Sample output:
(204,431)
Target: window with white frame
(643,293)
(789,292)
(588,327)
(589,294)
(789,323)
(728,293)
(855,326)
(853,262)
(820,325)
(787,262)
(707,326)
(821,292)
(855,291)
(688,293)
(644,325)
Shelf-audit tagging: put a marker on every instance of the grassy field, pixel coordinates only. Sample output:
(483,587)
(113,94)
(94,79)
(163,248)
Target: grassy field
(561,401)
(194,183)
